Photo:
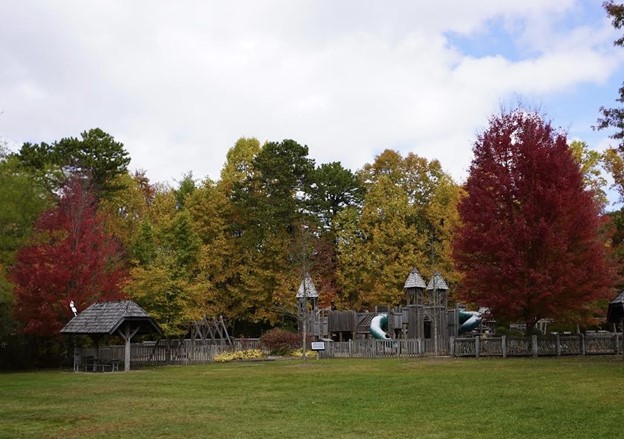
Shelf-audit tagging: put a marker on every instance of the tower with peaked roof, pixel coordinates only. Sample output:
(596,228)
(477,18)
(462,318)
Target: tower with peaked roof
(427,306)
(307,305)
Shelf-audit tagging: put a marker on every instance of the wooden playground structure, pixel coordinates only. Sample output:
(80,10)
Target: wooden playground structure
(426,316)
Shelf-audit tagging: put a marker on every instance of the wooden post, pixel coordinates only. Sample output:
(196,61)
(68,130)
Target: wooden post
(127,336)
(504,345)
(452,346)
(534,345)
(582,342)
(127,349)
(77,358)
(558,344)
(477,346)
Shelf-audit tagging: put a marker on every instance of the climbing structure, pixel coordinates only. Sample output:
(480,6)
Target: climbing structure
(209,330)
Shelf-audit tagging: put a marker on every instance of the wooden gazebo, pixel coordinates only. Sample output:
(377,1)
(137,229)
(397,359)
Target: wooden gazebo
(124,318)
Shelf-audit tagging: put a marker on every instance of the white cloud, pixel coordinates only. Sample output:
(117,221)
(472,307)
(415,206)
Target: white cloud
(179,83)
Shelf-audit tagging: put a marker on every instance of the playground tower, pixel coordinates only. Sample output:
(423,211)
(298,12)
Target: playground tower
(307,305)
(427,315)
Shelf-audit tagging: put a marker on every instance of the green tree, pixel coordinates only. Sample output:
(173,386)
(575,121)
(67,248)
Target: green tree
(96,158)
(591,163)
(239,164)
(273,196)
(22,200)
(219,262)
(376,261)
(143,248)
(613,118)
(333,189)
(186,187)
(125,209)
(268,205)
(168,283)
(407,219)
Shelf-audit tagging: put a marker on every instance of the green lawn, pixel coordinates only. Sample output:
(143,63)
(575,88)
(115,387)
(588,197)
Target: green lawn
(576,397)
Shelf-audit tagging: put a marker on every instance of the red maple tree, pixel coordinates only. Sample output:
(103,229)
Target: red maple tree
(70,258)
(530,243)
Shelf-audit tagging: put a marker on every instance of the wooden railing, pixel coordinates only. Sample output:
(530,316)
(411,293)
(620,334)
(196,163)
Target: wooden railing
(185,352)
(155,354)
(371,348)
(549,345)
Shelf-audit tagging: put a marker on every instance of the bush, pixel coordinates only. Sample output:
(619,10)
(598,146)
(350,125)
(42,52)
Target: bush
(238,355)
(280,342)
(504,330)
(299,353)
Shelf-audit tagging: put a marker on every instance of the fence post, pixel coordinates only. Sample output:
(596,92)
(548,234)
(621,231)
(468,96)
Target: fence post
(351,348)
(452,346)
(477,346)
(504,345)
(558,344)
(534,345)
(582,341)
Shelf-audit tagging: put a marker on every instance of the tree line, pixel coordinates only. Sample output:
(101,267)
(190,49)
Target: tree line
(90,230)
(79,227)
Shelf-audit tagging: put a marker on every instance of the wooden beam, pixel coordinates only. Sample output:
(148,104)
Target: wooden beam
(127,335)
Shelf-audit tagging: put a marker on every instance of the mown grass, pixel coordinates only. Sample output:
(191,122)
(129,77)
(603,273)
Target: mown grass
(352,398)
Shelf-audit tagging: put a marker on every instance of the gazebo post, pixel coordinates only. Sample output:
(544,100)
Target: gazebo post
(127,336)
(96,340)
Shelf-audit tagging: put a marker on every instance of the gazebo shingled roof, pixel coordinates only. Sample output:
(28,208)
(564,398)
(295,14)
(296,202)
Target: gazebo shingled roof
(105,318)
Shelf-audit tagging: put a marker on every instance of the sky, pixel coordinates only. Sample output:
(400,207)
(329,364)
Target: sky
(178,83)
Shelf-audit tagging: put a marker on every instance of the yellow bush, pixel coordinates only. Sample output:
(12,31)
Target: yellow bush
(238,355)
(299,353)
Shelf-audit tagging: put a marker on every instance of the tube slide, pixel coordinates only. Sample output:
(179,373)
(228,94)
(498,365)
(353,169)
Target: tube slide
(468,320)
(379,322)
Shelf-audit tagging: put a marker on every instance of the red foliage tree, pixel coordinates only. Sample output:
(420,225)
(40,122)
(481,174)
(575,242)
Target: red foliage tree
(71,258)
(530,243)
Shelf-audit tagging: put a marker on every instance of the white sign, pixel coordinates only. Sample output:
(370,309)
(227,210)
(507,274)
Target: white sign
(318,345)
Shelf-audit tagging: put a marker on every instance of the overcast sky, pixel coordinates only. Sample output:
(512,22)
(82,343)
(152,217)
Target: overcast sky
(179,82)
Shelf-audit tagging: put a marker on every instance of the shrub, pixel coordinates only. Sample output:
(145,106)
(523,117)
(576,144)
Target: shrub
(238,355)
(280,342)
(299,353)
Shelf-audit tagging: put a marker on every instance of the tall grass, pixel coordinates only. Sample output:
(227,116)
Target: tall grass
(395,398)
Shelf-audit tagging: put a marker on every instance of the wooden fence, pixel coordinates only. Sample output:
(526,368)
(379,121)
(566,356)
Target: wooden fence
(156,354)
(185,352)
(371,348)
(551,345)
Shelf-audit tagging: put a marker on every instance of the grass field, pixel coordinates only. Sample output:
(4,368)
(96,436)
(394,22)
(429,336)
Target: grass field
(576,397)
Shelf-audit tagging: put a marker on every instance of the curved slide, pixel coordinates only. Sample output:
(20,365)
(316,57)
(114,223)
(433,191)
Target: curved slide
(468,320)
(379,322)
